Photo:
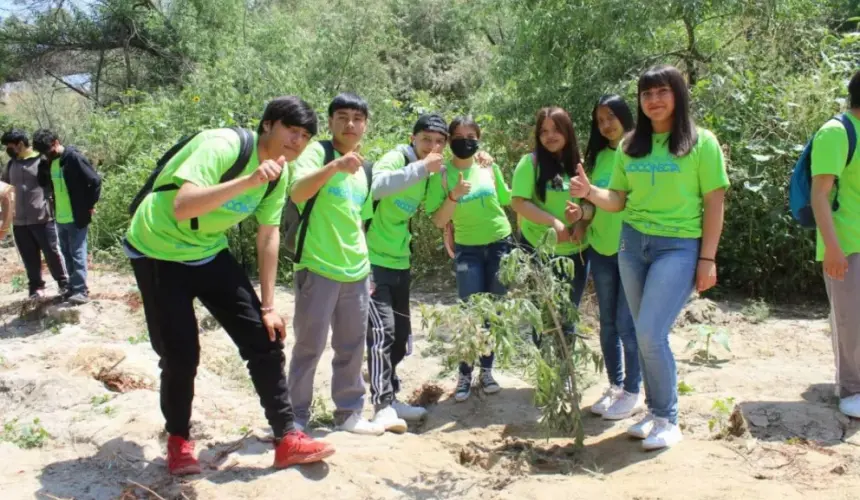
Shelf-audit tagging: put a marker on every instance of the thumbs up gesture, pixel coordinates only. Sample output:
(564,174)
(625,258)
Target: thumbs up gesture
(350,162)
(268,171)
(580,186)
(433,161)
(462,188)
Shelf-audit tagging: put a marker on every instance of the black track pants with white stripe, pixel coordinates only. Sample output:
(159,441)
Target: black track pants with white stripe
(388,331)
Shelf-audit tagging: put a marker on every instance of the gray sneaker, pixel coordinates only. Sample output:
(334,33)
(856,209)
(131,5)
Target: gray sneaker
(78,299)
(488,383)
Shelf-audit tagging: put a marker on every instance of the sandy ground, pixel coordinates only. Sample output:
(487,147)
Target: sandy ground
(89,375)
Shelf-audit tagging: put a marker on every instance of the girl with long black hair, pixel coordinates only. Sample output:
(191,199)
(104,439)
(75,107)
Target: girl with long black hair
(670,179)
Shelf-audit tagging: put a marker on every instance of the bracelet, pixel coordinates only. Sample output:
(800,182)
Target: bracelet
(706,259)
(452,199)
(267,309)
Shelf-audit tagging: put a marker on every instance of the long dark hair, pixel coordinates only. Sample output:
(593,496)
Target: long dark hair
(596,141)
(550,167)
(683,135)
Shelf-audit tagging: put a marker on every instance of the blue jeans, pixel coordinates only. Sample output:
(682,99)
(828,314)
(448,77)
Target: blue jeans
(658,274)
(478,272)
(617,331)
(73,245)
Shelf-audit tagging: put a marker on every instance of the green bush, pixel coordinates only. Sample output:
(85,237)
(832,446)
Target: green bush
(764,75)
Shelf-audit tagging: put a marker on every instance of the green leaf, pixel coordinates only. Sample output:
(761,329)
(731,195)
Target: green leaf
(722,338)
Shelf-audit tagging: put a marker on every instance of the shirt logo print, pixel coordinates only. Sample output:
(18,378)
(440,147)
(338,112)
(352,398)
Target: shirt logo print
(653,166)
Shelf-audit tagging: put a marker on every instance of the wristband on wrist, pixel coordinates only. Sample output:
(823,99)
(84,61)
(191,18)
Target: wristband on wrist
(450,198)
(267,309)
(707,259)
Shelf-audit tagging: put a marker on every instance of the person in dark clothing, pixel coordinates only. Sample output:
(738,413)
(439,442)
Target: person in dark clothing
(177,243)
(33,224)
(76,188)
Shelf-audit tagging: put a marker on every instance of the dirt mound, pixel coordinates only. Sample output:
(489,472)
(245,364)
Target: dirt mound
(702,312)
(519,456)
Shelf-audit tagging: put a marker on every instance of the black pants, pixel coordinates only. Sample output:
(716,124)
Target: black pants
(32,241)
(388,330)
(168,290)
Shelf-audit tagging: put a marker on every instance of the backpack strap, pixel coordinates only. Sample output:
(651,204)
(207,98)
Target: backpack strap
(368,172)
(851,132)
(246,149)
(305,218)
(852,136)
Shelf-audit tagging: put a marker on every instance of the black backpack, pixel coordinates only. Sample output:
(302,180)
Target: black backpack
(296,222)
(246,150)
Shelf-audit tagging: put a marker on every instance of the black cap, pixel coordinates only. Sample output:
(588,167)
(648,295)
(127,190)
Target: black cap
(431,123)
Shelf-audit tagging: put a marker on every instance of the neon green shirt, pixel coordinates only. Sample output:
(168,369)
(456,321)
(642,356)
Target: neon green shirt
(335,245)
(479,217)
(389,237)
(154,230)
(62,203)
(664,192)
(604,232)
(829,154)
(525,178)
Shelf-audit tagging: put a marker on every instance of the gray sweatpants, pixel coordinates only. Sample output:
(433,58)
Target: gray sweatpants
(321,304)
(845,323)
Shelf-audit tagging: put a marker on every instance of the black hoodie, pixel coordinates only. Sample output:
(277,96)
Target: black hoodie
(82,182)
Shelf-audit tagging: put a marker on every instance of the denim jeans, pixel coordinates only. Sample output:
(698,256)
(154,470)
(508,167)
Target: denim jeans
(617,331)
(73,245)
(478,272)
(658,274)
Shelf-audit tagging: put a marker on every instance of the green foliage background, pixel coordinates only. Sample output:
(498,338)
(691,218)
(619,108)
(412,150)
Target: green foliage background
(764,75)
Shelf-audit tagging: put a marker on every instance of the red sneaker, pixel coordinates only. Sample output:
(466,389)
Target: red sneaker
(180,457)
(296,448)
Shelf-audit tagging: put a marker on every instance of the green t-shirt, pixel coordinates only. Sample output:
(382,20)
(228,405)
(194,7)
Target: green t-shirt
(62,203)
(555,203)
(604,232)
(389,237)
(665,193)
(154,230)
(829,154)
(479,217)
(335,245)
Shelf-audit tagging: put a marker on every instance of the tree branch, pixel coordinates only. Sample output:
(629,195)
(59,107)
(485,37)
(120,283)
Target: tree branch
(82,92)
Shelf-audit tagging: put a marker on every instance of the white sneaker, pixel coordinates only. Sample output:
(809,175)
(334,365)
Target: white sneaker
(609,396)
(356,424)
(642,428)
(626,405)
(408,412)
(663,435)
(850,406)
(464,388)
(388,419)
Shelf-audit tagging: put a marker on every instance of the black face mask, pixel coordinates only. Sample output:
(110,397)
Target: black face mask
(11,152)
(464,148)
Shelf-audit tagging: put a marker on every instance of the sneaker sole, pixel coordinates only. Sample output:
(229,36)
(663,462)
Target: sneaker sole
(397,428)
(621,416)
(598,412)
(637,435)
(308,459)
(652,447)
(850,413)
(460,399)
(493,390)
(363,433)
